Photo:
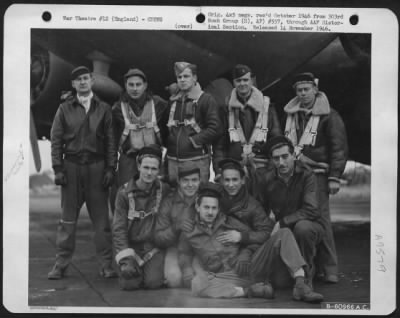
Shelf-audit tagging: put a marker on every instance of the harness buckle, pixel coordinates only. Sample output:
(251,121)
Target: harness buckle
(139,214)
(149,124)
(247,149)
(298,151)
(186,122)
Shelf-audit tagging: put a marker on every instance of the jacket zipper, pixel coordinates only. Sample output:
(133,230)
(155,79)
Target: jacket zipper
(85,127)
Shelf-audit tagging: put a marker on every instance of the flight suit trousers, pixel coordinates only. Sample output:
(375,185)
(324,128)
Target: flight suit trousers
(309,235)
(127,168)
(84,184)
(172,270)
(327,261)
(275,261)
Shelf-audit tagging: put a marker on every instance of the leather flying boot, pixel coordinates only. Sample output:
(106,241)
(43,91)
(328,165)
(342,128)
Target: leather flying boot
(261,290)
(304,292)
(331,279)
(57,272)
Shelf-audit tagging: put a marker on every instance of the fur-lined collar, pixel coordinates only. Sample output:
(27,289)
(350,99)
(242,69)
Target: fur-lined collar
(321,105)
(193,94)
(256,100)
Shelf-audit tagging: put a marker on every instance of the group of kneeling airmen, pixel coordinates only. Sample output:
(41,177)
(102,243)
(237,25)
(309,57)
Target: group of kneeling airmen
(261,224)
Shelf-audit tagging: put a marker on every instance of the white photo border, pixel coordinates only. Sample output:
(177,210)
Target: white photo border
(20,19)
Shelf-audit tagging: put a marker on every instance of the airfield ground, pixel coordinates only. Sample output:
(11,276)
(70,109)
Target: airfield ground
(84,288)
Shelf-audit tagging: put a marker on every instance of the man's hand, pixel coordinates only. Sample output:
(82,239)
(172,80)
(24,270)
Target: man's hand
(60,178)
(243,268)
(187,225)
(108,179)
(129,268)
(231,236)
(333,186)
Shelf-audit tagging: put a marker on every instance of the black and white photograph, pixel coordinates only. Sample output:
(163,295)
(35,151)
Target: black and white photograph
(220,163)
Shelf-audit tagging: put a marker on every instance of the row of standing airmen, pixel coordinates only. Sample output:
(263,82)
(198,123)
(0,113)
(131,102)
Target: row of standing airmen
(195,130)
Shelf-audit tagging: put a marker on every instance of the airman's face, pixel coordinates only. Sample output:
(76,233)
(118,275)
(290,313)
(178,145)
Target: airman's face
(232,181)
(186,80)
(83,84)
(283,160)
(243,84)
(148,169)
(208,209)
(189,185)
(135,87)
(306,93)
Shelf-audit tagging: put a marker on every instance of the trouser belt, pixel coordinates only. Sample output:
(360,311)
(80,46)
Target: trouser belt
(84,158)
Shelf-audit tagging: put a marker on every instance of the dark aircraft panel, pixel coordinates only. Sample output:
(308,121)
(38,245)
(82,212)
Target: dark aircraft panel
(342,62)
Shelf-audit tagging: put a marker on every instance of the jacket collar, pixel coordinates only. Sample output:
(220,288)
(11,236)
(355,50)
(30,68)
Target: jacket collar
(193,94)
(94,101)
(132,186)
(299,169)
(321,105)
(255,101)
(239,201)
(179,197)
(219,221)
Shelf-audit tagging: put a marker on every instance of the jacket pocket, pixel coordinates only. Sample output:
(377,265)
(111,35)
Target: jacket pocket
(70,142)
(68,136)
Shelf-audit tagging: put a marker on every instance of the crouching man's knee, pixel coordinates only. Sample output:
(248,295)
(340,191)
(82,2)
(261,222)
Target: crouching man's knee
(304,230)
(129,284)
(154,282)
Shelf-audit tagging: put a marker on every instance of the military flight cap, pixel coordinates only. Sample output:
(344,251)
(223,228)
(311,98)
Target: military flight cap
(210,189)
(239,70)
(150,151)
(230,163)
(184,172)
(303,78)
(276,142)
(78,71)
(135,72)
(179,67)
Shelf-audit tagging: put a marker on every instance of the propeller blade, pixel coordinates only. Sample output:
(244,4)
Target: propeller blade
(34,144)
